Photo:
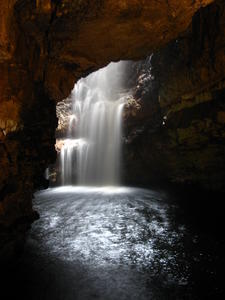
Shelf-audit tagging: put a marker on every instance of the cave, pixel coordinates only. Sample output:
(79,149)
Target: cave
(112,149)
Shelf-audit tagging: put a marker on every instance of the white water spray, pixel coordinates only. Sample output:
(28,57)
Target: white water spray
(93,148)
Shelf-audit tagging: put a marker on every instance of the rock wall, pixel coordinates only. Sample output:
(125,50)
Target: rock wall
(185,143)
(45,46)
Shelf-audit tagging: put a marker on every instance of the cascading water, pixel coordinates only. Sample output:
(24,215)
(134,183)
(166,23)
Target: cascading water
(93,144)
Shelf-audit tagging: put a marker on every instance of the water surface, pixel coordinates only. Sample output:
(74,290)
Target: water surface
(115,243)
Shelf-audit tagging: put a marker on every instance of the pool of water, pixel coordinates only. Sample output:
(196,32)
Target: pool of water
(115,243)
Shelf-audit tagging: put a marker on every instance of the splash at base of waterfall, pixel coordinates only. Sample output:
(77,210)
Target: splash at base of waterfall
(91,154)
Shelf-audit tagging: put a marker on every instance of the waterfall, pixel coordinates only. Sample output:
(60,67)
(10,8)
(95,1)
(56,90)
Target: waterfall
(91,154)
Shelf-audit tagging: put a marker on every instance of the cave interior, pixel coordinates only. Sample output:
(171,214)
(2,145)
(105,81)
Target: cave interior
(173,144)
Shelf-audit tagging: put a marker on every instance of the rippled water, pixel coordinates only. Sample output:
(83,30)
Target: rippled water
(107,227)
(112,243)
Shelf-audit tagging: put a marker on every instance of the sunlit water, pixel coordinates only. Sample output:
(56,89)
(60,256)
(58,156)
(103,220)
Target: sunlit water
(93,145)
(110,244)
(107,226)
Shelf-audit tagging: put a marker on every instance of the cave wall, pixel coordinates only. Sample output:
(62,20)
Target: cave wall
(182,140)
(71,38)
(45,46)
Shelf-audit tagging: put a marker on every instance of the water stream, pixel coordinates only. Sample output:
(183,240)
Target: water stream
(93,143)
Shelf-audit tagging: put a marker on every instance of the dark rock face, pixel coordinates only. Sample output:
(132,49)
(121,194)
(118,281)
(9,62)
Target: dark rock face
(186,142)
(24,155)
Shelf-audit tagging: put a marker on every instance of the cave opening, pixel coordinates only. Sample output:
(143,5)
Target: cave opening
(92,124)
(90,148)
